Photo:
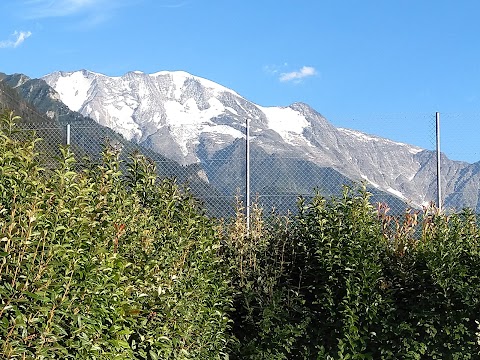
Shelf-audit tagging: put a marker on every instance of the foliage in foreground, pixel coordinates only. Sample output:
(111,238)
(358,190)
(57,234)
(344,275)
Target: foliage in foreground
(94,265)
(344,280)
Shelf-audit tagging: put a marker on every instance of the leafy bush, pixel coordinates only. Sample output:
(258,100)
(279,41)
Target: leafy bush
(343,280)
(95,265)
(433,287)
(313,287)
(266,310)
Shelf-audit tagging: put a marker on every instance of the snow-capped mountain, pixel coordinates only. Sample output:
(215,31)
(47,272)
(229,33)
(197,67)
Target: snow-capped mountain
(191,119)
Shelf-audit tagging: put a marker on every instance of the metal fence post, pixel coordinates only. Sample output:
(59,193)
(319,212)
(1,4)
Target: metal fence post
(68,134)
(439,183)
(247,172)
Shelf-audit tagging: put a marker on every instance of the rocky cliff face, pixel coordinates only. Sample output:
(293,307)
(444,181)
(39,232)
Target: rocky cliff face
(191,119)
(41,109)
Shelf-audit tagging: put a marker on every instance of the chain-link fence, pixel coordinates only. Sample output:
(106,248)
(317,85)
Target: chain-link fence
(275,180)
(87,141)
(460,173)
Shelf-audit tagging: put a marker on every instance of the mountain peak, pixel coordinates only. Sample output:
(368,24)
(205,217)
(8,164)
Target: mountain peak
(191,119)
(179,77)
(194,120)
(18,80)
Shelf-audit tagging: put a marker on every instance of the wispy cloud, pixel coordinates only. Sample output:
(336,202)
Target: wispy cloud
(17,38)
(55,8)
(91,12)
(173,4)
(274,69)
(305,71)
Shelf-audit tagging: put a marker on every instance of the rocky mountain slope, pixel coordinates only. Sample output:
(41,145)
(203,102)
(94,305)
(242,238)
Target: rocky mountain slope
(41,110)
(191,119)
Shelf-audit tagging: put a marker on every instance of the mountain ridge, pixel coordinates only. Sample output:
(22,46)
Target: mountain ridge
(41,109)
(191,119)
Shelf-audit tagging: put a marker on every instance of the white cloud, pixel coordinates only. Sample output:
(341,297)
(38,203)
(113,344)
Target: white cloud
(304,72)
(56,8)
(97,9)
(18,37)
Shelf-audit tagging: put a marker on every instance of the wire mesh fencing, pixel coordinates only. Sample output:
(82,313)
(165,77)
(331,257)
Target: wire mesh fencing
(219,181)
(460,181)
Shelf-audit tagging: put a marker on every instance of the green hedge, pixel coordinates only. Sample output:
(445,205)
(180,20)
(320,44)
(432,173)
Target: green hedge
(94,265)
(343,280)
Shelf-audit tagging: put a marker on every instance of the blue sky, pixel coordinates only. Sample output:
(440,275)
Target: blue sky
(380,66)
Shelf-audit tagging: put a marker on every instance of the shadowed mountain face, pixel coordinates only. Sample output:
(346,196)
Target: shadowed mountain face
(202,125)
(191,119)
(41,110)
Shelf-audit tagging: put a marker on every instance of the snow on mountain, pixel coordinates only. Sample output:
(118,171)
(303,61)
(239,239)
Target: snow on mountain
(188,118)
(73,90)
(369,138)
(287,122)
(137,105)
